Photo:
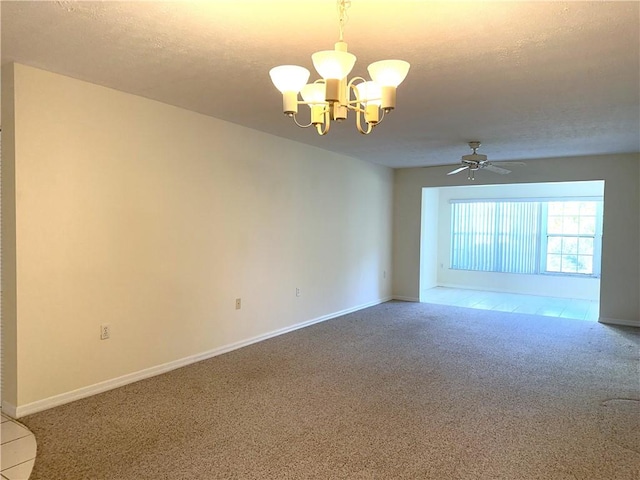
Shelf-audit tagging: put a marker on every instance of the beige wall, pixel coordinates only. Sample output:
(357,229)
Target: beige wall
(154,219)
(8,229)
(620,282)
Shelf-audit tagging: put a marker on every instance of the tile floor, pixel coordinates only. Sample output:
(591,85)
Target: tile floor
(18,450)
(512,302)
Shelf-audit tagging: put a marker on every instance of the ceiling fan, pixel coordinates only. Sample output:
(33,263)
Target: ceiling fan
(476,161)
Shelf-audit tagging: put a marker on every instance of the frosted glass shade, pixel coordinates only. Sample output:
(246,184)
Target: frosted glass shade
(289,78)
(333,64)
(388,73)
(367,91)
(313,93)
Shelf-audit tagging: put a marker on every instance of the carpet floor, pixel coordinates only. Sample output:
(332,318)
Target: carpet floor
(397,391)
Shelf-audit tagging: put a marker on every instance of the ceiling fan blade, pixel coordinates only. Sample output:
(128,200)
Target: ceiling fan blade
(458,170)
(509,164)
(494,169)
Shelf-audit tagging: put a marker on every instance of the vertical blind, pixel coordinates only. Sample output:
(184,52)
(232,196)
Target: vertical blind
(495,236)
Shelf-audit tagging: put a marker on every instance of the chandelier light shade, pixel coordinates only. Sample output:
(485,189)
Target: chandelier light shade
(334,95)
(369,93)
(289,79)
(313,94)
(388,73)
(370,96)
(334,64)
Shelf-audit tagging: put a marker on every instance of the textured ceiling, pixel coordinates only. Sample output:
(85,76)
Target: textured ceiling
(528,79)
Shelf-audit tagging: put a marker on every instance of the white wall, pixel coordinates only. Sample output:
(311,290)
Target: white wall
(548,285)
(155,219)
(429,239)
(620,280)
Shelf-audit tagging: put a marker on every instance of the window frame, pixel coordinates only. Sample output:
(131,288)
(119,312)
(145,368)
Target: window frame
(543,235)
(597,237)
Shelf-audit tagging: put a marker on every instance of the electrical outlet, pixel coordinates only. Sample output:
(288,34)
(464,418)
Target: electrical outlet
(105,331)
(238,303)
(384,274)
(297,292)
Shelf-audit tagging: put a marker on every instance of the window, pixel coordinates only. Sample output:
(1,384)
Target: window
(495,236)
(572,237)
(527,236)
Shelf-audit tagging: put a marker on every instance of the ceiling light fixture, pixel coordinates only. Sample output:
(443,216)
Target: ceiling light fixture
(332,96)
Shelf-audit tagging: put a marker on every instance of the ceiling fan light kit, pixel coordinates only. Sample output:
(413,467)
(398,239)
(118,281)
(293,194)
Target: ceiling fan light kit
(334,95)
(476,161)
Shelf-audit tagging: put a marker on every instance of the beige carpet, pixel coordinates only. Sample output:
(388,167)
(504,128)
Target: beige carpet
(396,391)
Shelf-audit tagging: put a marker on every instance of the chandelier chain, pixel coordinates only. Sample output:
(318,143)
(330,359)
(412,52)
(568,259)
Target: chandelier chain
(343,16)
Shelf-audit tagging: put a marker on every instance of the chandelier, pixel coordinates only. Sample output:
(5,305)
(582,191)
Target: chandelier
(332,96)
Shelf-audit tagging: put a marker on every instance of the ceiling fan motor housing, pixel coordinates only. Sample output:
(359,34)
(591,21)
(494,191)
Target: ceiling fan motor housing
(474,158)
(475,161)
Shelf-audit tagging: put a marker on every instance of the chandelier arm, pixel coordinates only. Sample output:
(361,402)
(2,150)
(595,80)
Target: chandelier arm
(354,79)
(351,87)
(314,102)
(327,124)
(355,102)
(322,131)
(295,119)
(354,108)
(359,115)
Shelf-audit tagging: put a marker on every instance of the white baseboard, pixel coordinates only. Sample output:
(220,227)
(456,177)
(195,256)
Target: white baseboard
(620,322)
(406,299)
(517,291)
(67,397)
(8,409)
